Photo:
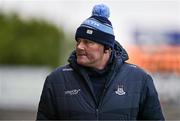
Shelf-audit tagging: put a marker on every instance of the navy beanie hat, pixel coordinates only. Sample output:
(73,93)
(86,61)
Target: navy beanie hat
(97,28)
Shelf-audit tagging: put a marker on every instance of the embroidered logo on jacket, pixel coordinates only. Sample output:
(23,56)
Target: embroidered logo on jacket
(72,92)
(120,90)
(67,69)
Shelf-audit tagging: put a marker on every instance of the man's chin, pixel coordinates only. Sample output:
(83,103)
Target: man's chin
(81,62)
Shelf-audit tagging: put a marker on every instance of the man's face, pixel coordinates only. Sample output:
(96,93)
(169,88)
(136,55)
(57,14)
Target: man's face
(89,53)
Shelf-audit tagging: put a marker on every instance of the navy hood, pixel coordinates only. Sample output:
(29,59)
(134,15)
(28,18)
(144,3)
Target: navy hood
(119,52)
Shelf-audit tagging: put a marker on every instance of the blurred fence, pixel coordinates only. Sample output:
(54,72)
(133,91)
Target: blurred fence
(20,90)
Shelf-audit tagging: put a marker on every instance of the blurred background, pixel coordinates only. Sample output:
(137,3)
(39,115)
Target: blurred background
(37,36)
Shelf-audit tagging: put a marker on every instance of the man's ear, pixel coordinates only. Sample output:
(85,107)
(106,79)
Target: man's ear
(107,50)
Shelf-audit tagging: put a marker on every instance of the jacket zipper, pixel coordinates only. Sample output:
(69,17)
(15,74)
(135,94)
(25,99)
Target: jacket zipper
(97,114)
(99,105)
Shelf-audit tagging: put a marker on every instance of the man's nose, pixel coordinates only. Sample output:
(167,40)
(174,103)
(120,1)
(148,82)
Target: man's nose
(80,45)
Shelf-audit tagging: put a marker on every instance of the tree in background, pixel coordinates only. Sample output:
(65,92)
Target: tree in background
(31,42)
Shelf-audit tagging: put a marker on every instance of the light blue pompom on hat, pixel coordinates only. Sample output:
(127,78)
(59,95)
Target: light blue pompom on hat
(101,10)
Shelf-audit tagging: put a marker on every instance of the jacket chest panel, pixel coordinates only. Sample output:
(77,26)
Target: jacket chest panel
(122,98)
(74,97)
(74,106)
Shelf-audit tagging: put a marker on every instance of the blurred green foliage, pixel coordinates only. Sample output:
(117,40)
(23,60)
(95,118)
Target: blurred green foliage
(32,42)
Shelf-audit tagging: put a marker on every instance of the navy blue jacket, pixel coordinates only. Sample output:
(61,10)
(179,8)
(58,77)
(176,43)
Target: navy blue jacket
(129,93)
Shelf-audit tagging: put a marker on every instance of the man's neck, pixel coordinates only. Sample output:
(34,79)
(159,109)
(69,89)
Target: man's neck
(103,63)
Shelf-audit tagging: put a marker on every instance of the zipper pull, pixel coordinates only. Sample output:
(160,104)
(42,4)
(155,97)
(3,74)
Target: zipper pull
(97,114)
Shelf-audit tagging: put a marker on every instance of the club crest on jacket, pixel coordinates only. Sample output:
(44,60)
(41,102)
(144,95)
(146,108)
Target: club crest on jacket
(120,90)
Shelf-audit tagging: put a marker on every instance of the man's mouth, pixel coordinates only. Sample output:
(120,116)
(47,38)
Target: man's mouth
(81,54)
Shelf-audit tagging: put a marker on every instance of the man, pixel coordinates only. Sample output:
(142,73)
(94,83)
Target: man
(98,84)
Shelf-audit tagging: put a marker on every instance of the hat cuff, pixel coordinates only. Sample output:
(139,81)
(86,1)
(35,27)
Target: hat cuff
(96,36)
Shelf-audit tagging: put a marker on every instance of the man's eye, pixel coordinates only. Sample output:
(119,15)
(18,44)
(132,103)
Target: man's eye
(89,42)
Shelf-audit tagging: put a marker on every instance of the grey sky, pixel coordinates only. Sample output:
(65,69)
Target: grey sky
(125,14)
